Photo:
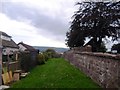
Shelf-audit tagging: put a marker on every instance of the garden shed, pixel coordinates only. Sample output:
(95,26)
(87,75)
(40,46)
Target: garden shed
(28,56)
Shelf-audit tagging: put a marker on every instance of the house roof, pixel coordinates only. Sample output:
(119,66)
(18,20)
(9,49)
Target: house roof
(4,34)
(11,44)
(29,48)
(6,43)
(90,42)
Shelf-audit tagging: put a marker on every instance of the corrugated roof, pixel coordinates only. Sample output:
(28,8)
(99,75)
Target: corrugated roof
(29,48)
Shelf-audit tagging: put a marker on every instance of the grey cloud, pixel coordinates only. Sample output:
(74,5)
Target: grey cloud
(53,25)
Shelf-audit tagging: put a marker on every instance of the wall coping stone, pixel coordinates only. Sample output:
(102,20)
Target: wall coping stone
(98,54)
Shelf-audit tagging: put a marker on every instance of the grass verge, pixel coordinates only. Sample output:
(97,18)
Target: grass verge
(56,73)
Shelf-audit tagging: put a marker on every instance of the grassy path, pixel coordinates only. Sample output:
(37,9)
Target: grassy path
(56,73)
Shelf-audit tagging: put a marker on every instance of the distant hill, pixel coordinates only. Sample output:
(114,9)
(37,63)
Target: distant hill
(42,48)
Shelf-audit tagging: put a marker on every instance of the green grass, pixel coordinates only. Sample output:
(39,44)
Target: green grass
(56,73)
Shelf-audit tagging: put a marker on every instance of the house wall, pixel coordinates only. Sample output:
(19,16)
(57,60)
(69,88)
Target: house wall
(104,69)
(0,65)
(5,38)
(0,60)
(9,50)
(21,47)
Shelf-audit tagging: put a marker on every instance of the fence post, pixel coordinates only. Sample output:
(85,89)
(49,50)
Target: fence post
(0,59)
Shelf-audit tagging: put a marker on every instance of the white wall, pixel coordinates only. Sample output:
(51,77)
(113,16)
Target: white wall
(5,38)
(21,47)
(0,60)
(9,50)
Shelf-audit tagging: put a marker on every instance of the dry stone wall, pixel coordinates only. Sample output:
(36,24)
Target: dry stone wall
(103,68)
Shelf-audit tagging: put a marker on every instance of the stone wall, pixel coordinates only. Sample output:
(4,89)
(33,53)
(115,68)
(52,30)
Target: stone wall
(103,68)
(86,48)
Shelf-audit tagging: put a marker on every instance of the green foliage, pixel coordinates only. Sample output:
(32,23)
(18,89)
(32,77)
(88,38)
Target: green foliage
(102,48)
(46,56)
(57,55)
(50,50)
(56,73)
(94,20)
(51,53)
(40,59)
(116,47)
(26,62)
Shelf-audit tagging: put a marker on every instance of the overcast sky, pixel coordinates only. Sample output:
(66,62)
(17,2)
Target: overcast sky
(37,22)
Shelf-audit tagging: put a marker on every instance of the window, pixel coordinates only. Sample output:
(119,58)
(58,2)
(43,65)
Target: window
(4,50)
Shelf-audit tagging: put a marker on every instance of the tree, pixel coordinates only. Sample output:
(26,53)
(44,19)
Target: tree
(96,20)
(102,48)
(50,52)
(116,47)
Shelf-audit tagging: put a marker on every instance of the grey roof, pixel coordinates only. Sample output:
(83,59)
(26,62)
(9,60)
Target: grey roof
(11,44)
(6,43)
(29,48)
(4,34)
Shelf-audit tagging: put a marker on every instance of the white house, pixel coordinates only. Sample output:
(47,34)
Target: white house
(25,47)
(8,45)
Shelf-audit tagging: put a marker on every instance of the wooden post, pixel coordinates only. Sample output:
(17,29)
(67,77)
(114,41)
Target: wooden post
(0,60)
(16,56)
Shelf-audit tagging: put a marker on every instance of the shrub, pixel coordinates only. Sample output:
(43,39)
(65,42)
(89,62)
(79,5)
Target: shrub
(26,61)
(51,53)
(116,47)
(40,59)
(102,48)
(46,56)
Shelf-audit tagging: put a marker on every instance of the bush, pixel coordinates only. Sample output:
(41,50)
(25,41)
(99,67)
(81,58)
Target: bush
(102,48)
(51,53)
(26,61)
(116,47)
(46,56)
(40,59)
